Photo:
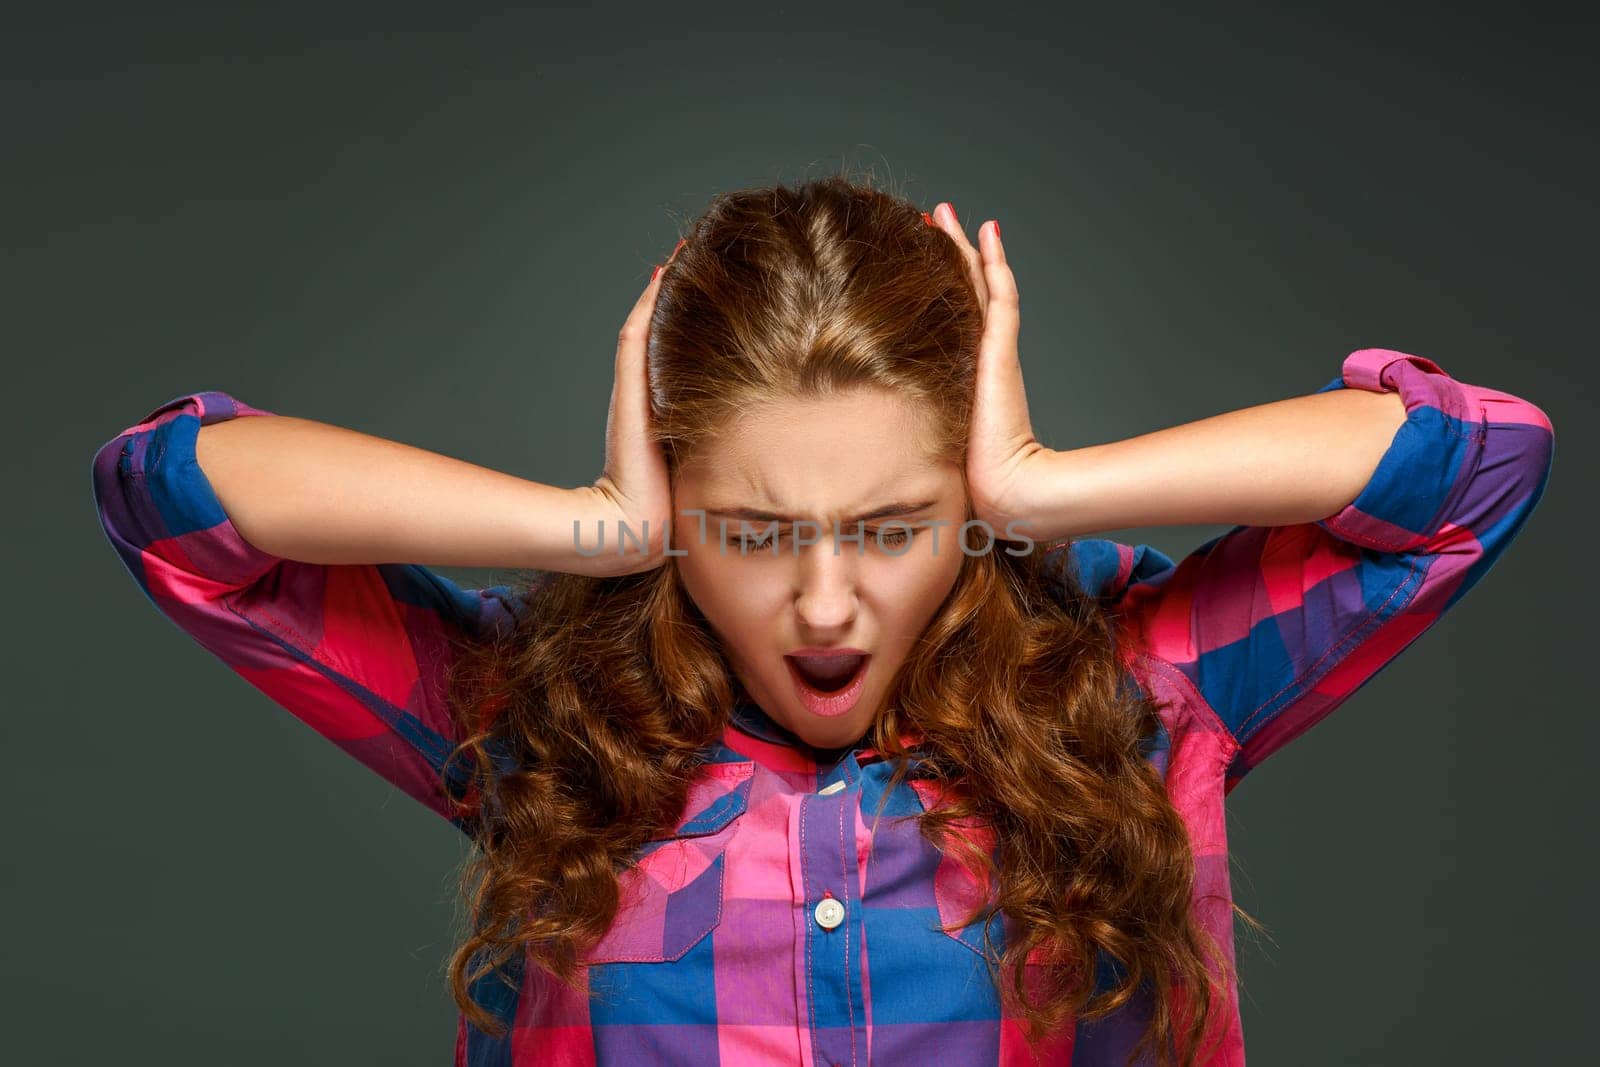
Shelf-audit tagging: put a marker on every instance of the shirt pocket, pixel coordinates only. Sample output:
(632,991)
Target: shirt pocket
(672,893)
(957,889)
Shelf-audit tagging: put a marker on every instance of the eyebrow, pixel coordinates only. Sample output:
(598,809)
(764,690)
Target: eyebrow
(897,507)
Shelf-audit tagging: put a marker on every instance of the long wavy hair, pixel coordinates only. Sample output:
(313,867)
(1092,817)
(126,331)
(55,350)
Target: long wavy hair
(582,740)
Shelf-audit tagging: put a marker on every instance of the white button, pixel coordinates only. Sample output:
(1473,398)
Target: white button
(830,913)
(834,788)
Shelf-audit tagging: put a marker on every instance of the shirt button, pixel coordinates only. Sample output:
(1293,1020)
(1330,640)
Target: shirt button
(827,789)
(829,913)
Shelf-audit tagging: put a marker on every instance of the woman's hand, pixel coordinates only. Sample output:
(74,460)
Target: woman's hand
(633,488)
(1004,459)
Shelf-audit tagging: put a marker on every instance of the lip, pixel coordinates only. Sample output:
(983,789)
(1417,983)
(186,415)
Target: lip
(829,705)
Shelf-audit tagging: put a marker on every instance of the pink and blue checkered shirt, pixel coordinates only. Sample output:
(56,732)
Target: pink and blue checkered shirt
(725,951)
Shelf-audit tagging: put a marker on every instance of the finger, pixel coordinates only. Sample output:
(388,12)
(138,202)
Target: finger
(1000,364)
(636,328)
(998,279)
(647,298)
(945,217)
(1003,322)
(628,415)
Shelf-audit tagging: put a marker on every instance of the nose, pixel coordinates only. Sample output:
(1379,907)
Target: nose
(825,587)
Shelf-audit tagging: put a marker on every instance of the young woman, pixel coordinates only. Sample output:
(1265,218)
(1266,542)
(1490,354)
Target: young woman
(873,755)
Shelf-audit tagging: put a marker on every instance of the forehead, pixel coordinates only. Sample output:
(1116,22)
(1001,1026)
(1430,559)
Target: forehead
(819,455)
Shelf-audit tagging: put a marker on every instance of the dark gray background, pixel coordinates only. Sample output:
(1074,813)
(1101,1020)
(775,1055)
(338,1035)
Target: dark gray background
(428,223)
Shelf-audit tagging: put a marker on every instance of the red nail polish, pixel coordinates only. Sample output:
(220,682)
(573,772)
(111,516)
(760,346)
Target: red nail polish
(997,227)
(677,246)
(928,219)
(655,272)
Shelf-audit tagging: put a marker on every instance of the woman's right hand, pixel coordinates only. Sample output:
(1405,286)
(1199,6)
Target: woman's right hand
(634,488)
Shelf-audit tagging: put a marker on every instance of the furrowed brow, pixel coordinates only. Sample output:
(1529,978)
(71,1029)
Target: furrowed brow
(897,507)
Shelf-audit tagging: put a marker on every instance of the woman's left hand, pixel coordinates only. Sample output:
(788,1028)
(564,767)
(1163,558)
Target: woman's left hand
(1003,456)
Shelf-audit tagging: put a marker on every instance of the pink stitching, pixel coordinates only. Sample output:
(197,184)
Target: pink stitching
(1477,435)
(1311,671)
(271,620)
(662,957)
(844,871)
(811,1000)
(1181,681)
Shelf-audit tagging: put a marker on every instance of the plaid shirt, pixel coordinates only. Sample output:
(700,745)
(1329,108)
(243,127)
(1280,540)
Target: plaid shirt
(788,920)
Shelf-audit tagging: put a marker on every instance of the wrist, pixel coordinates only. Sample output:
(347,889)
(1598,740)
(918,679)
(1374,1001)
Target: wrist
(1034,503)
(608,539)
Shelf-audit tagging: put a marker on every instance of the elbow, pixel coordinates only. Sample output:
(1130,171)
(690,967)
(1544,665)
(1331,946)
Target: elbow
(106,471)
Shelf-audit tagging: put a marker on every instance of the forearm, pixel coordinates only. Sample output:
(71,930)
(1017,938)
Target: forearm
(1276,464)
(319,493)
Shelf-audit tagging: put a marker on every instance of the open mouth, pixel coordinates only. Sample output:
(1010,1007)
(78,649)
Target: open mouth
(828,685)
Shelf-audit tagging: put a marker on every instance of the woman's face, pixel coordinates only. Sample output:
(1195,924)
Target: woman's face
(815,468)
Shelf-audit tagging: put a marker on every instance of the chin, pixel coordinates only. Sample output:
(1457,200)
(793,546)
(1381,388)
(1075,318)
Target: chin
(834,739)
(836,734)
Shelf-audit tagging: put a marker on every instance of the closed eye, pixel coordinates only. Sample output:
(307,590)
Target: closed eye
(768,539)
(891,538)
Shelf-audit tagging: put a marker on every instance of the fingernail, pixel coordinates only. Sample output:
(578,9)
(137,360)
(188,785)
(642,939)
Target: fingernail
(677,246)
(928,219)
(655,272)
(953,214)
(997,227)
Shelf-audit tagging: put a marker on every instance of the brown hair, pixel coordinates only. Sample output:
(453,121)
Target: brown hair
(584,739)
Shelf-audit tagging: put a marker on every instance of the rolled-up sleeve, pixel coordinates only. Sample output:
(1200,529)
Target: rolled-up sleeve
(359,653)
(1277,626)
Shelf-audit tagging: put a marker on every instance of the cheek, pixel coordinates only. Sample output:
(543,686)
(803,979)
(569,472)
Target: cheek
(913,587)
(705,581)
(732,594)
